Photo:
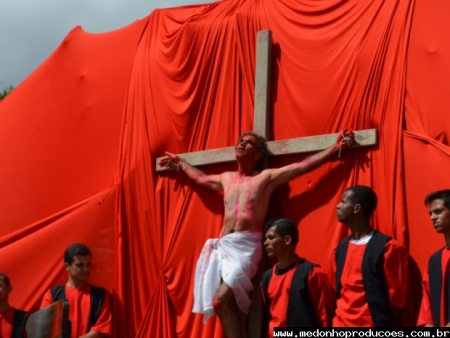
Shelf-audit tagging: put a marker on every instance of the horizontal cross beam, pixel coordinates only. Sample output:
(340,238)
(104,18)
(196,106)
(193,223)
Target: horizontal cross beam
(363,138)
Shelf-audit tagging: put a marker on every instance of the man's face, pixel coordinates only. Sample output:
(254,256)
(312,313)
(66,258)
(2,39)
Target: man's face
(440,216)
(345,208)
(247,147)
(274,244)
(4,289)
(80,269)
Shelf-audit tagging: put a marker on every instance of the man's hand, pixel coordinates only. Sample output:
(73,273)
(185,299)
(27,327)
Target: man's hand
(175,162)
(346,138)
(171,161)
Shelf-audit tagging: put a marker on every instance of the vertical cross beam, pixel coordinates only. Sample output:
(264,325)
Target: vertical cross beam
(261,122)
(261,125)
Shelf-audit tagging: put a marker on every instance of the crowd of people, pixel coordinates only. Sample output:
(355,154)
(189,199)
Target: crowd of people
(370,282)
(370,268)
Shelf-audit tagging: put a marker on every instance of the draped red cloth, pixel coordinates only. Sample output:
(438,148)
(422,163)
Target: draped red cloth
(80,136)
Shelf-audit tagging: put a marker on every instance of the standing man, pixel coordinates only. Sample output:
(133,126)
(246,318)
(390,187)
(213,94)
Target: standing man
(435,307)
(89,307)
(226,265)
(371,268)
(12,321)
(296,292)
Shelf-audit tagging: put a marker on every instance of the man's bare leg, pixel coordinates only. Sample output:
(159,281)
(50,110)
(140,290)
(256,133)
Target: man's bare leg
(231,317)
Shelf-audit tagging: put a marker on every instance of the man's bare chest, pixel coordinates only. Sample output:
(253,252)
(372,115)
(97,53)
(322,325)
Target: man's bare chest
(245,190)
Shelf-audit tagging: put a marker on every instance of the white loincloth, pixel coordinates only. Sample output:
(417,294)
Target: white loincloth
(234,258)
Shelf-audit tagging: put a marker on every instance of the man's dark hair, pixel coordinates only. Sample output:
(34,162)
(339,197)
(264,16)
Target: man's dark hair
(77,249)
(261,145)
(283,226)
(439,195)
(6,278)
(365,197)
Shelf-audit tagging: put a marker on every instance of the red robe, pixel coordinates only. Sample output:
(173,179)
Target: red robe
(352,309)
(426,314)
(6,322)
(80,308)
(320,292)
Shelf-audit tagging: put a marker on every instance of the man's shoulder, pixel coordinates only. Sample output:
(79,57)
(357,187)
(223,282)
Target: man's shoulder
(19,312)
(309,266)
(393,244)
(58,286)
(98,291)
(439,251)
(266,171)
(268,272)
(97,288)
(437,256)
(62,287)
(390,243)
(227,174)
(381,234)
(342,242)
(308,262)
(266,277)
(19,318)
(10,312)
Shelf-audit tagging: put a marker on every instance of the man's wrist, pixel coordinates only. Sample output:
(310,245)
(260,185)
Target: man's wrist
(181,165)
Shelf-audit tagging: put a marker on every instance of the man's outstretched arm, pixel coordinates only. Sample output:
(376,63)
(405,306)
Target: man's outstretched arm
(284,174)
(173,161)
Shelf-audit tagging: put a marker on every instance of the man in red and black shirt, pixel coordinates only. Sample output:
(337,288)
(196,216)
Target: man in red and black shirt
(12,321)
(89,307)
(296,293)
(371,268)
(435,306)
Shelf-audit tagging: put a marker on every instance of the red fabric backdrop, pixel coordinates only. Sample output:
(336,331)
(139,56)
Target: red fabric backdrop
(80,136)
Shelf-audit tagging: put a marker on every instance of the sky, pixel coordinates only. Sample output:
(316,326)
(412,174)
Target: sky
(30,30)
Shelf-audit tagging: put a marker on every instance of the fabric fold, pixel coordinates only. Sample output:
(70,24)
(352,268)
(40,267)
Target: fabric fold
(233,259)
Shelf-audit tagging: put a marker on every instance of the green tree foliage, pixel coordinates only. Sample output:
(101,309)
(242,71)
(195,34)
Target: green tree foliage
(5,92)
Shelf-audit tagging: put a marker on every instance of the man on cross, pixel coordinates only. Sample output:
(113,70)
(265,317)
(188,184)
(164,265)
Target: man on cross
(227,265)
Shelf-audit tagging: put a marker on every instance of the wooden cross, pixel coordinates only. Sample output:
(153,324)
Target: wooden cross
(363,138)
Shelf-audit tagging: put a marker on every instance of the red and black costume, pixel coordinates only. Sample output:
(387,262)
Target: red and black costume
(371,282)
(297,296)
(435,306)
(89,308)
(12,323)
